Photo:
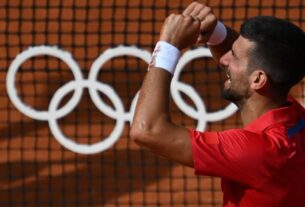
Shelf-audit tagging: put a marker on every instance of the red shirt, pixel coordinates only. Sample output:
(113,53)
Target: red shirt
(261,165)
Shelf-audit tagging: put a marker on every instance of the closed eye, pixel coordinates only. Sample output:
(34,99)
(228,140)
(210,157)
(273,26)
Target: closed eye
(233,53)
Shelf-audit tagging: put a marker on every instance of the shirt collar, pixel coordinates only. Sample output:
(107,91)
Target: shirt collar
(289,113)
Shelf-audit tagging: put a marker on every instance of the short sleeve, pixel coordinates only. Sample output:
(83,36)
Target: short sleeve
(239,155)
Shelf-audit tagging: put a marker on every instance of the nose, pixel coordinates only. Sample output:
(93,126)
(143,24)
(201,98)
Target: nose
(224,60)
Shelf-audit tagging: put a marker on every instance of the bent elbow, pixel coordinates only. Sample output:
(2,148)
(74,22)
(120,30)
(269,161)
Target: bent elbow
(136,135)
(140,133)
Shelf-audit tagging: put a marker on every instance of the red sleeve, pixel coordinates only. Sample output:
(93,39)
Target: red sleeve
(239,155)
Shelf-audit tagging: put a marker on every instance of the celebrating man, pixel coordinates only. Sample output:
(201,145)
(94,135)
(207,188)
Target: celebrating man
(263,163)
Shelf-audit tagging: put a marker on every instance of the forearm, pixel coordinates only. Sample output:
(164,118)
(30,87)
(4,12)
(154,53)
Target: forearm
(152,119)
(152,127)
(153,103)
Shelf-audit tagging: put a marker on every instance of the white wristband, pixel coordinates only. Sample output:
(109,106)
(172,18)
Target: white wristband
(219,34)
(165,56)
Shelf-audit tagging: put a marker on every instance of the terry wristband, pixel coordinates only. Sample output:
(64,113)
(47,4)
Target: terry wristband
(219,34)
(165,56)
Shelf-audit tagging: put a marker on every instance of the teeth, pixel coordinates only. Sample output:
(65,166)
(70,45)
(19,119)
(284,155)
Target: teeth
(228,75)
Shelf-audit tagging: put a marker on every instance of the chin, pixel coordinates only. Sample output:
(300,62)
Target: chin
(231,96)
(227,95)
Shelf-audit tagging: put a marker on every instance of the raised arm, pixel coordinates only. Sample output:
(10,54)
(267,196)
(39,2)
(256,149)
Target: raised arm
(152,127)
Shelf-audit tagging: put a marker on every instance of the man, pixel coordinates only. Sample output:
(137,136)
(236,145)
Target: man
(262,164)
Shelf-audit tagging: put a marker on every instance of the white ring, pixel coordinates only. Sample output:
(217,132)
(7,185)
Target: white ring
(95,68)
(85,148)
(29,53)
(200,114)
(117,112)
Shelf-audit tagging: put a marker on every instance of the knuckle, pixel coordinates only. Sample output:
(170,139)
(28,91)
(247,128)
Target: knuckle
(208,9)
(198,5)
(171,16)
(212,17)
(188,18)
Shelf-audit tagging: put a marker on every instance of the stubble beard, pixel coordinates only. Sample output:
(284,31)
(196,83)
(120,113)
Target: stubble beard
(233,96)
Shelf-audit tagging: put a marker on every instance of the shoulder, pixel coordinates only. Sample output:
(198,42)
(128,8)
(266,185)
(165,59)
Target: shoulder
(232,138)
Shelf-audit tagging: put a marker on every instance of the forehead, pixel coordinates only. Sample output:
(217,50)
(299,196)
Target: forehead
(242,46)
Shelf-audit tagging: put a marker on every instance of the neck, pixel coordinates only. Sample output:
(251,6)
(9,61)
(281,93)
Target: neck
(257,105)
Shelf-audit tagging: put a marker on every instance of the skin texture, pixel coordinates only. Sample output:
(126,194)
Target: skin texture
(248,87)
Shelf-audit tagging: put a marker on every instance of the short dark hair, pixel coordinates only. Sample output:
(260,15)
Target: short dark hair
(279,49)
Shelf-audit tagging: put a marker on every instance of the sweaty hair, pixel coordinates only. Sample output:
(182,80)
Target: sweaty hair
(279,49)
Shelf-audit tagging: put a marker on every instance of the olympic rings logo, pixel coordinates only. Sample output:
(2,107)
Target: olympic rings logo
(94,86)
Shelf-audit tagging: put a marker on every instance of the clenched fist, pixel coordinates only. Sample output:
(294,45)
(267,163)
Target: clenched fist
(194,25)
(207,18)
(180,31)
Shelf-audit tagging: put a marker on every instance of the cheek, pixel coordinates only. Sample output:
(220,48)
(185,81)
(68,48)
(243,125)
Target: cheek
(238,72)
(241,83)
(239,80)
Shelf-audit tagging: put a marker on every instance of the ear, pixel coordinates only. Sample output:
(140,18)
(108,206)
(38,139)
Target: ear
(258,80)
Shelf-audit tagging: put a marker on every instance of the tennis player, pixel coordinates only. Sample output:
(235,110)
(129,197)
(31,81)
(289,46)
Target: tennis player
(261,164)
